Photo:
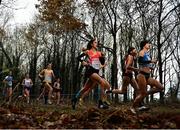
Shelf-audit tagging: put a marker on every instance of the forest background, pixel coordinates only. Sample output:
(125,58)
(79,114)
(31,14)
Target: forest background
(61,28)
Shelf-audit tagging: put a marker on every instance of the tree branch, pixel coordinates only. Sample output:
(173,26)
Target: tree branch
(4,51)
(170,12)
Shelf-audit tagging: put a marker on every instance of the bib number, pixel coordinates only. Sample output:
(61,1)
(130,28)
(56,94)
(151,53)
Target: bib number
(96,64)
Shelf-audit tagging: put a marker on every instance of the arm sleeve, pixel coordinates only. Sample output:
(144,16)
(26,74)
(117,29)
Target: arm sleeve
(141,60)
(80,56)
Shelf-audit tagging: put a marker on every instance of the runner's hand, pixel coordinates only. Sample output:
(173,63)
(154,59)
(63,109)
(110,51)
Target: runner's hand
(85,63)
(102,66)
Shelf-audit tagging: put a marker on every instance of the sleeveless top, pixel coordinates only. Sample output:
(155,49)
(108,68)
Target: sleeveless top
(125,63)
(94,59)
(9,80)
(47,76)
(146,58)
(27,82)
(57,85)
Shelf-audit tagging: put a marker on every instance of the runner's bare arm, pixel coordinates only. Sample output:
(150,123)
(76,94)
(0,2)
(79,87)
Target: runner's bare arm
(41,74)
(53,74)
(82,55)
(129,64)
(22,82)
(31,82)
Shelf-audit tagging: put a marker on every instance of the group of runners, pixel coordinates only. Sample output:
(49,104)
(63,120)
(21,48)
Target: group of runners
(94,62)
(49,89)
(8,91)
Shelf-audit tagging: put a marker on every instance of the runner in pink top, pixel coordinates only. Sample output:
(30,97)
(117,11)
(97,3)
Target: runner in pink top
(93,66)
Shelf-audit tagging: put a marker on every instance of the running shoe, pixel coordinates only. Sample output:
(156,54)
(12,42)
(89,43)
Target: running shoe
(49,102)
(107,103)
(81,102)
(133,110)
(101,105)
(143,108)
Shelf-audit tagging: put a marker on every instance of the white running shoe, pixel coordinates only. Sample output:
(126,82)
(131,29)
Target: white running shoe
(133,110)
(142,108)
(81,102)
(49,102)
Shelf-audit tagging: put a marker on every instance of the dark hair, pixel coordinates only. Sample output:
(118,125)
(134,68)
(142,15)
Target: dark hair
(49,63)
(58,78)
(130,49)
(89,44)
(143,43)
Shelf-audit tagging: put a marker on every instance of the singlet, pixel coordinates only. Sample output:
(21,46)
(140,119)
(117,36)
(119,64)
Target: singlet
(146,58)
(27,82)
(57,85)
(48,76)
(126,60)
(94,59)
(125,64)
(9,80)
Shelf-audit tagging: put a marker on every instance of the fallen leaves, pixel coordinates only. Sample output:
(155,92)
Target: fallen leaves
(48,117)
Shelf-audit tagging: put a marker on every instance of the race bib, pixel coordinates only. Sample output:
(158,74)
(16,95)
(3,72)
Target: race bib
(9,83)
(27,84)
(96,63)
(48,79)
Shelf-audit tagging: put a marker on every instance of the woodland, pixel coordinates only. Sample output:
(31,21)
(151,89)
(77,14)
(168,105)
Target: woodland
(57,35)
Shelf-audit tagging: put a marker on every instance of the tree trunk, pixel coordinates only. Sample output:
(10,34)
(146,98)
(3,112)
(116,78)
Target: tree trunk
(159,50)
(33,67)
(63,69)
(115,69)
(1,61)
(6,55)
